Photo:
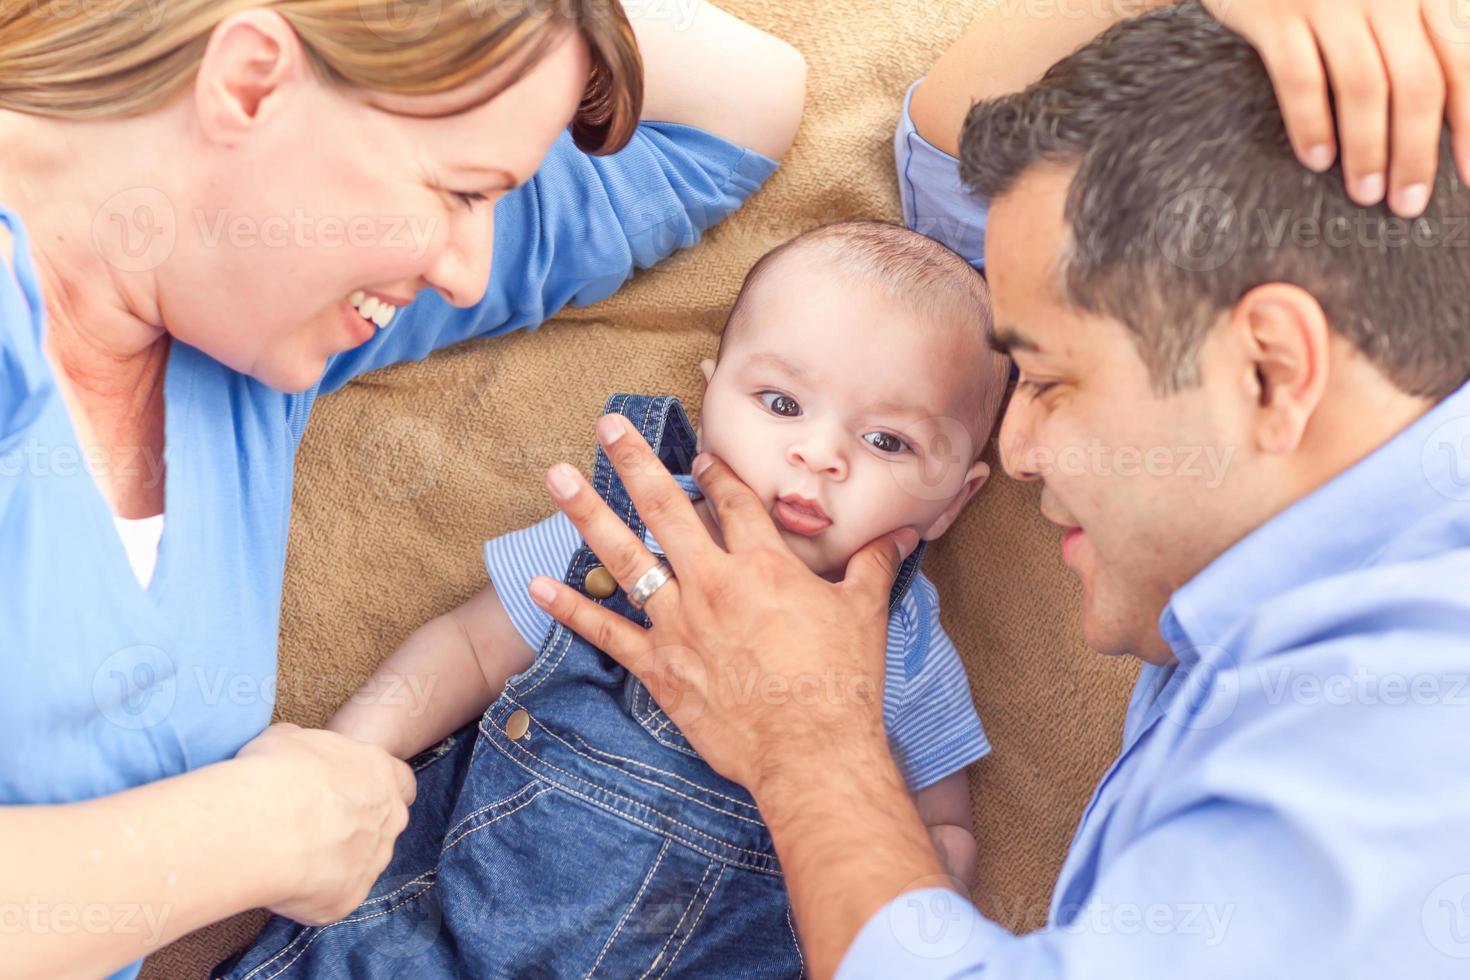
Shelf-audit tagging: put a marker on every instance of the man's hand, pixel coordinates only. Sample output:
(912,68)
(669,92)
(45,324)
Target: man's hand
(758,660)
(1394,66)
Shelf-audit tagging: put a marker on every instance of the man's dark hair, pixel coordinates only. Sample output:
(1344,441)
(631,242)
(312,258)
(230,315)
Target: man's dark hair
(1187,195)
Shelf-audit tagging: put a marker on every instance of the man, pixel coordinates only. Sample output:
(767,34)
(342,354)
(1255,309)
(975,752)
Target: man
(1290,799)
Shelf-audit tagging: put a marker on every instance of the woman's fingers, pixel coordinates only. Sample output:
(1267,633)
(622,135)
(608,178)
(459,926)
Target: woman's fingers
(620,550)
(1449,33)
(1416,86)
(619,638)
(1295,66)
(1360,84)
(662,504)
(743,519)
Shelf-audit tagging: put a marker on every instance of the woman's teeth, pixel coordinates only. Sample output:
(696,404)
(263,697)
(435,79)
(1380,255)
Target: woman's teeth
(372,308)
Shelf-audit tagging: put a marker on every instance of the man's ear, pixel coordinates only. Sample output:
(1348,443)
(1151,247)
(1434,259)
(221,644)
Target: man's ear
(1286,341)
(974,480)
(250,58)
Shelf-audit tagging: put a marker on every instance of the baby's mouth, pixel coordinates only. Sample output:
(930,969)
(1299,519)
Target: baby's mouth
(801,516)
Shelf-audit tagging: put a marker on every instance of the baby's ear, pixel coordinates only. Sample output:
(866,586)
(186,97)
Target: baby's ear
(707,368)
(974,480)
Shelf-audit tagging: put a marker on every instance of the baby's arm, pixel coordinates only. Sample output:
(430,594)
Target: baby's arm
(442,676)
(945,809)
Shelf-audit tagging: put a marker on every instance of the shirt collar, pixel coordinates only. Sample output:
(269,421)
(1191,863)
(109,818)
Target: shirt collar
(1341,525)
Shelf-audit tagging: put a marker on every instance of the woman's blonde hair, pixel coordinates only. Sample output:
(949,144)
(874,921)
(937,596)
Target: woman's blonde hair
(96,59)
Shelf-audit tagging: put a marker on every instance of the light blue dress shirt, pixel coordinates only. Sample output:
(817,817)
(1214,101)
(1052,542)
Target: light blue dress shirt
(108,685)
(1292,798)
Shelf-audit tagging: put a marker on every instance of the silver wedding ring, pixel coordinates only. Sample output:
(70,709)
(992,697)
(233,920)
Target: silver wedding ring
(648,583)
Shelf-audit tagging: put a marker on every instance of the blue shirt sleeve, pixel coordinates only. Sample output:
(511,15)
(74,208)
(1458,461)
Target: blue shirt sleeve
(574,233)
(935,201)
(513,559)
(936,731)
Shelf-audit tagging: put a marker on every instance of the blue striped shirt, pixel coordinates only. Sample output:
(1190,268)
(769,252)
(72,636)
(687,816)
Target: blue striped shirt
(931,721)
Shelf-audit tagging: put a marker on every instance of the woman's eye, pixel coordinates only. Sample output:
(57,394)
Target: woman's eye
(470,198)
(886,442)
(780,404)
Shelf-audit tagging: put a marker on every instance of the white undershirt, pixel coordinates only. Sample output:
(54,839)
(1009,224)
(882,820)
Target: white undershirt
(140,537)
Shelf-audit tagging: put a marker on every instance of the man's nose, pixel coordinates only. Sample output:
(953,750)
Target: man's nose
(1015,443)
(461,270)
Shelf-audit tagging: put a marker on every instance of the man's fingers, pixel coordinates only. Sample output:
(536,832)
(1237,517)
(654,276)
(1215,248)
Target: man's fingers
(662,505)
(743,518)
(619,549)
(619,638)
(1450,37)
(872,570)
(1417,100)
(1360,84)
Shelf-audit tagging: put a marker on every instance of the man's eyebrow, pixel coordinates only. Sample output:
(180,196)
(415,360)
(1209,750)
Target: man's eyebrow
(780,363)
(1008,339)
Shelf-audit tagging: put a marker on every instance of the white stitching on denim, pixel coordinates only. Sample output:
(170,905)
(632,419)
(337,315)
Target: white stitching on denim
(673,775)
(558,632)
(653,783)
(628,799)
(748,865)
(545,788)
(488,806)
(319,930)
(678,925)
(668,841)
(695,924)
(791,927)
(416,879)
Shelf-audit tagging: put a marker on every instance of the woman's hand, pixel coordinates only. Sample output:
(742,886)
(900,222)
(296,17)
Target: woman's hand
(758,660)
(1394,66)
(345,803)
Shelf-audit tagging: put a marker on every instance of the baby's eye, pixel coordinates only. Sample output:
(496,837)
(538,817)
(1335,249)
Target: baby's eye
(886,442)
(780,404)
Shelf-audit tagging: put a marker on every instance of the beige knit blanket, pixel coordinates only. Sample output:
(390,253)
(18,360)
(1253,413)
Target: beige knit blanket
(406,472)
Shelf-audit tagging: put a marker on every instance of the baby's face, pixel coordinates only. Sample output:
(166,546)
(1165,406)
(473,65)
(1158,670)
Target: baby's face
(844,413)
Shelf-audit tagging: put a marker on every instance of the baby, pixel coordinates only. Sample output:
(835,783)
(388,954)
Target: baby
(853,390)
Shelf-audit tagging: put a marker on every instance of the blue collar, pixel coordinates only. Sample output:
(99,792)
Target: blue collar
(1345,524)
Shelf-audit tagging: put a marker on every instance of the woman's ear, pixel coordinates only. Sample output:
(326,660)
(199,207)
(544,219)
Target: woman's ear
(974,480)
(1286,342)
(250,58)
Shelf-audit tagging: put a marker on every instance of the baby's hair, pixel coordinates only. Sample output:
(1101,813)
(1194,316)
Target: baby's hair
(913,270)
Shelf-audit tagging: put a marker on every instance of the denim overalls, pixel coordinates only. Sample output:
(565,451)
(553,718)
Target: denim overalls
(571,831)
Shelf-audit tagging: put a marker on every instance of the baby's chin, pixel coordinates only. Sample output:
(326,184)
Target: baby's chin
(814,556)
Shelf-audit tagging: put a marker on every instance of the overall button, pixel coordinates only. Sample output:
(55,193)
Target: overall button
(517,724)
(600,583)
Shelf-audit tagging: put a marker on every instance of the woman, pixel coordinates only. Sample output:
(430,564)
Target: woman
(216,211)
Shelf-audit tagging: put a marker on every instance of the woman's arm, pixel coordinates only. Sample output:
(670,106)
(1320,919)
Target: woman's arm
(442,676)
(301,821)
(704,68)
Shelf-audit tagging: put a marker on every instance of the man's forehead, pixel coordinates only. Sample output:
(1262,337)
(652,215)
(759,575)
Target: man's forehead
(1025,241)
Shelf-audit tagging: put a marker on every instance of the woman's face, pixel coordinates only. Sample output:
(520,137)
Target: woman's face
(309,194)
